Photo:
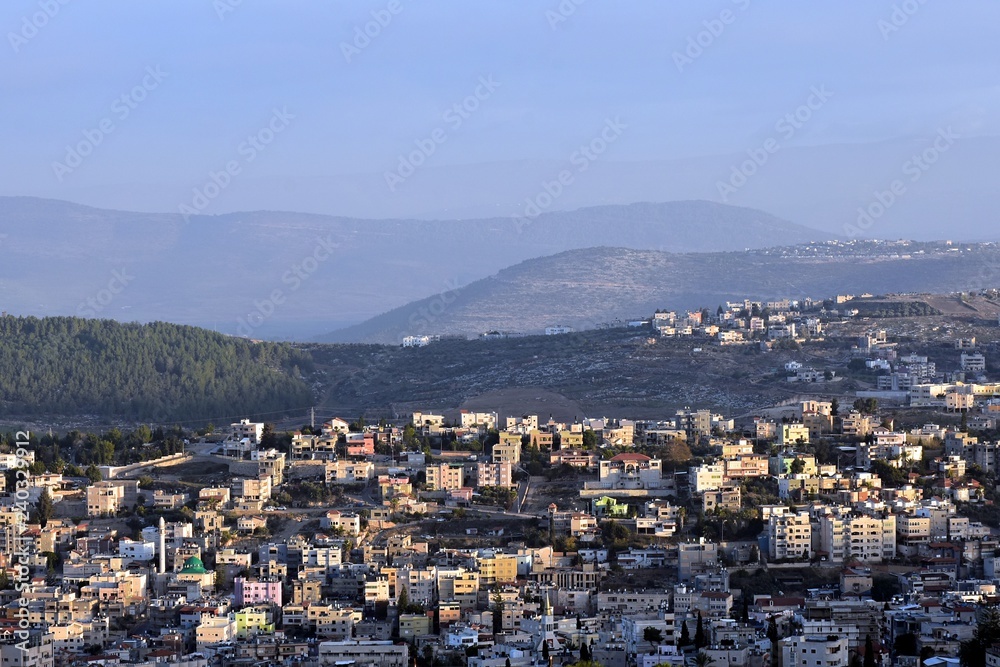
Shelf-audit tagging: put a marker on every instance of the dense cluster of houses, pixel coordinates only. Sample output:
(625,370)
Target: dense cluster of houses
(220,583)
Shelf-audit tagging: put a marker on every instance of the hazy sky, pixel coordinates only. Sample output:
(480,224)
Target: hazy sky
(224,67)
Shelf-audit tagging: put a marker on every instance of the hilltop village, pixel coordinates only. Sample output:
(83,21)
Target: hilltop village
(818,532)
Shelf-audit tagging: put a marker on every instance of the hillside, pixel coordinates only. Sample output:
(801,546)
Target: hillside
(221,272)
(71,367)
(585,288)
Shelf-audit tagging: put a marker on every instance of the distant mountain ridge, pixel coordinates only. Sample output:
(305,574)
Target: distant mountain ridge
(589,287)
(297,275)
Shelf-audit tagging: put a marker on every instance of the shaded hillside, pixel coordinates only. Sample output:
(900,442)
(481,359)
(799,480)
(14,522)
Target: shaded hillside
(69,366)
(221,271)
(584,288)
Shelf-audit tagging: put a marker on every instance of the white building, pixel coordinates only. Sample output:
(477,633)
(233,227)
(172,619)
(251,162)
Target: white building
(974,362)
(136,550)
(865,538)
(814,651)
(789,536)
(378,653)
(416,341)
(631,471)
(707,477)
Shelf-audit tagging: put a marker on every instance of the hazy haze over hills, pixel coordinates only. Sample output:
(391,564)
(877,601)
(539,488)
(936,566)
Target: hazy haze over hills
(891,83)
(221,271)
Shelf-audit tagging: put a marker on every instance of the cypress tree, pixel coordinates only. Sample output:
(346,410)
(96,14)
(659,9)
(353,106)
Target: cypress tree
(699,633)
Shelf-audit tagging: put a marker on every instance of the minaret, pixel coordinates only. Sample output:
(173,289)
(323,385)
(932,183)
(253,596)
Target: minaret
(163,546)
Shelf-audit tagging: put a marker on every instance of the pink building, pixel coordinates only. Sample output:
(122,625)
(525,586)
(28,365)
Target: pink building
(256,591)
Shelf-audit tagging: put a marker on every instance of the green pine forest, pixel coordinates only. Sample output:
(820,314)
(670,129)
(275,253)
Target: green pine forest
(158,372)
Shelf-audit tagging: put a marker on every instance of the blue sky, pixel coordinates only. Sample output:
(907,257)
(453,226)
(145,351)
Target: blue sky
(226,71)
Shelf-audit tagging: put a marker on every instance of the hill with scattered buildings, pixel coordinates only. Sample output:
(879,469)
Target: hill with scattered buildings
(587,287)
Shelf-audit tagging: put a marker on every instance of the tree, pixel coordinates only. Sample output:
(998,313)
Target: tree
(869,652)
(834,408)
(584,652)
(868,406)
(93,474)
(685,639)
(402,600)
(972,652)
(797,467)
(497,613)
(652,635)
(699,633)
(703,659)
(745,611)
(545,651)
(45,508)
(772,633)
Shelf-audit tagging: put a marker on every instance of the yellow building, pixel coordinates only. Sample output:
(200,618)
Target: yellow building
(499,568)
(414,625)
(253,621)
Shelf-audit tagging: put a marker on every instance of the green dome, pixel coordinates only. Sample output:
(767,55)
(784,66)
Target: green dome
(194,565)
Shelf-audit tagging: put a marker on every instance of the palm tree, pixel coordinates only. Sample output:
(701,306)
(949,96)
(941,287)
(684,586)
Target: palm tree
(703,659)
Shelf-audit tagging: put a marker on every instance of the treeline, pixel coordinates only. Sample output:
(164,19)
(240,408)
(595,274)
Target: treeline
(78,454)
(894,308)
(156,372)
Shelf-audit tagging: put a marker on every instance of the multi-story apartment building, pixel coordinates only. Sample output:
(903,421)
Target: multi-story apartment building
(857,537)
(746,465)
(111,496)
(257,591)
(349,472)
(790,536)
(445,476)
(706,477)
(508,450)
(495,474)
(497,569)
(252,489)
